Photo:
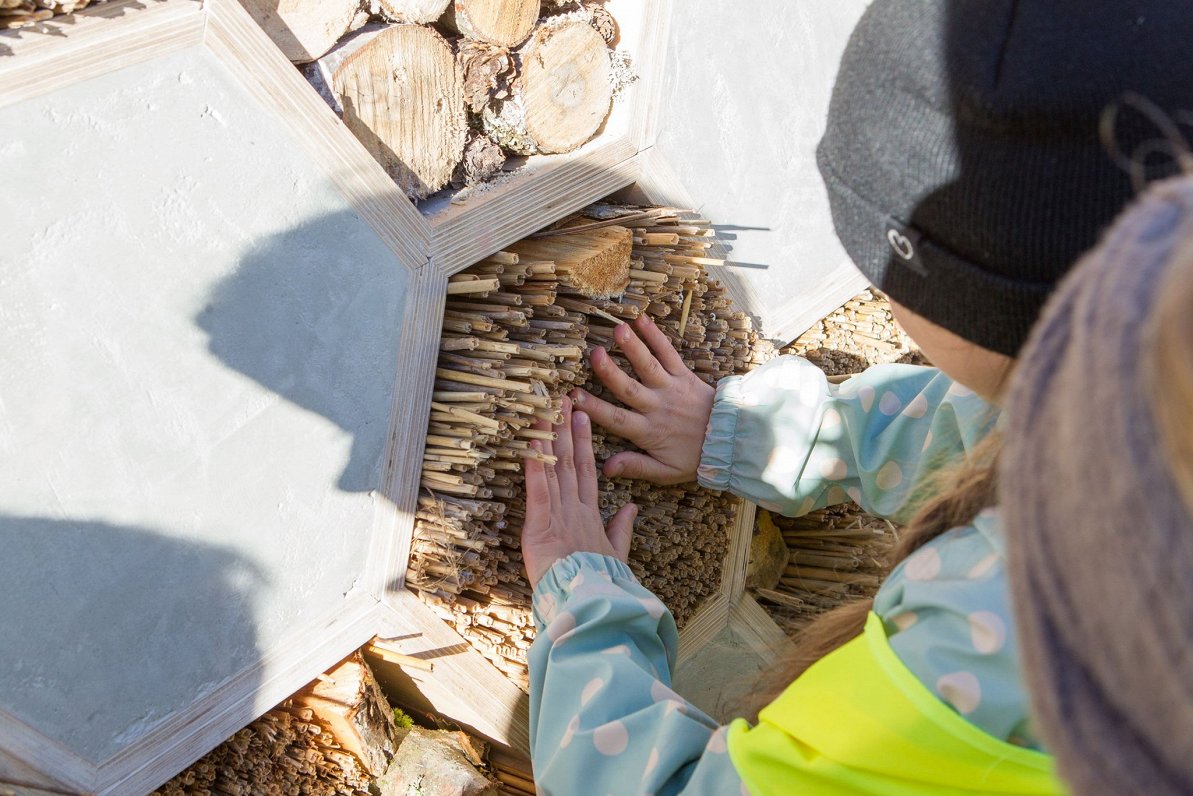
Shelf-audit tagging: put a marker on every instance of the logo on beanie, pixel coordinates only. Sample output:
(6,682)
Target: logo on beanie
(900,244)
(904,242)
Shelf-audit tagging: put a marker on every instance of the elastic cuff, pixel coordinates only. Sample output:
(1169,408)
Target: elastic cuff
(558,583)
(716,455)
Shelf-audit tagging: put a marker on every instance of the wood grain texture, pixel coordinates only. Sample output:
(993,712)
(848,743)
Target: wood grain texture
(417,358)
(182,739)
(94,42)
(348,700)
(303,29)
(643,28)
(562,94)
(464,686)
(402,96)
(40,764)
(506,23)
(734,583)
(232,35)
(706,625)
(753,625)
(545,190)
(566,85)
(418,12)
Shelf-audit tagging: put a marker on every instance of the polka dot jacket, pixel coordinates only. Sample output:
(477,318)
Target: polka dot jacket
(602,713)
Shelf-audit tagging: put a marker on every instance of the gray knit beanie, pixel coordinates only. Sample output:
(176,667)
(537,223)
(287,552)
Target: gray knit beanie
(1100,541)
(962,154)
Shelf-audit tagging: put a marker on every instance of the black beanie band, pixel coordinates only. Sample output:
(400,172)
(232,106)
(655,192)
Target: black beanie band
(989,310)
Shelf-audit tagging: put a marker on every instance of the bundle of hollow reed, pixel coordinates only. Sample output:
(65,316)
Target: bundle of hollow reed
(332,738)
(513,772)
(516,332)
(838,552)
(286,751)
(834,554)
(22,13)
(860,333)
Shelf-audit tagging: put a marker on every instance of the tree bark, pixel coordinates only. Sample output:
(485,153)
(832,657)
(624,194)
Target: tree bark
(399,90)
(350,702)
(304,30)
(506,23)
(562,95)
(482,160)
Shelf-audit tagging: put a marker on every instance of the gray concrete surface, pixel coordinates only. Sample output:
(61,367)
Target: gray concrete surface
(743,105)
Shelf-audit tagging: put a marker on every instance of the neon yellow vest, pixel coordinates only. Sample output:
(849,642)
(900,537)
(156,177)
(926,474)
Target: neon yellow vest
(858,722)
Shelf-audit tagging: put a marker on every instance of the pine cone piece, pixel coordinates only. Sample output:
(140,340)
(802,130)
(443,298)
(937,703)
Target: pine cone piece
(488,71)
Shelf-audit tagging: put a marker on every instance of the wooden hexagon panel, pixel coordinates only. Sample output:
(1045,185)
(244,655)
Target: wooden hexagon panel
(204,319)
(219,326)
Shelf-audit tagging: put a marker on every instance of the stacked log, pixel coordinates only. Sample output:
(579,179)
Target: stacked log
(442,92)
(516,333)
(330,739)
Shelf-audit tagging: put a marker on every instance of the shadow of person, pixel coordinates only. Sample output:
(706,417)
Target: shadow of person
(108,630)
(313,314)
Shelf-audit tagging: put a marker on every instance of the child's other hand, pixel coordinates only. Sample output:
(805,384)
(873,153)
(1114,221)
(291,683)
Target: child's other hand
(562,515)
(672,406)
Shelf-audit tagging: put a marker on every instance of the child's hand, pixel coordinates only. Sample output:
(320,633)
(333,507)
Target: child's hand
(673,407)
(562,516)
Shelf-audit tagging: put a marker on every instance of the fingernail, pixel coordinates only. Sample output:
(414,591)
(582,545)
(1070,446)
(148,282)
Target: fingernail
(536,445)
(580,419)
(634,511)
(613,470)
(577,396)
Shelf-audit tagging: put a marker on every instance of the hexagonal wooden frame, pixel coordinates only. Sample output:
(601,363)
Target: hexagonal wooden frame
(436,244)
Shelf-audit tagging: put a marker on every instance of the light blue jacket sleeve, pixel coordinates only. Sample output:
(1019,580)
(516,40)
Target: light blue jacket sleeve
(603,717)
(785,438)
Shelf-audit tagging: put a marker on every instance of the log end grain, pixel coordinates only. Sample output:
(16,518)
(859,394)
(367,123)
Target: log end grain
(402,95)
(566,85)
(506,23)
(417,12)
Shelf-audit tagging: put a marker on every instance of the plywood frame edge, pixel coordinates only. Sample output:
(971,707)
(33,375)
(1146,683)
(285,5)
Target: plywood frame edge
(181,740)
(52,762)
(651,62)
(461,674)
(99,40)
(521,205)
(417,358)
(753,625)
(738,557)
(257,62)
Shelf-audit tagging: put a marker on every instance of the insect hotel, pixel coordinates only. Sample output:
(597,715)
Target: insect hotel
(285,288)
